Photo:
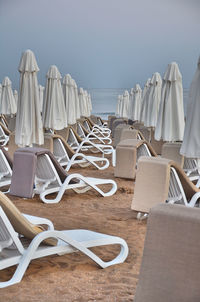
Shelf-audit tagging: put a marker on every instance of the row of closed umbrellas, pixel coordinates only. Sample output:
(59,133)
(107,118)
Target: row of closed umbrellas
(159,105)
(60,103)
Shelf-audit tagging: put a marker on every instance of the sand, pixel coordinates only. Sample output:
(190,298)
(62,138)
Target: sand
(74,277)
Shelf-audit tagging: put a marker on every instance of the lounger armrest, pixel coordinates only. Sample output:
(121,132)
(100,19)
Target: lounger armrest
(39,220)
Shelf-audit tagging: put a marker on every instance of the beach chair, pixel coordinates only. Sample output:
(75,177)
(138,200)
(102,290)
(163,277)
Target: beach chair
(4,135)
(169,270)
(43,175)
(98,124)
(189,165)
(160,180)
(93,128)
(128,153)
(67,157)
(91,135)
(5,168)
(23,239)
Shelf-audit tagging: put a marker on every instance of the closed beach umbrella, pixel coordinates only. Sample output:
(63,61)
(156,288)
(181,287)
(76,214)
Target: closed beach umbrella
(191,140)
(41,96)
(77,105)
(137,101)
(154,100)
(87,104)
(29,127)
(170,123)
(69,99)
(7,102)
(119,105)
(125,104)
(131,100)
(82,101)
(144,100)
(15,93)
(53,113)
(0,90)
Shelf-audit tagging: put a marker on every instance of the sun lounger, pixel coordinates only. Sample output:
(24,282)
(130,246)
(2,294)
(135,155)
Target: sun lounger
(97,137)
(169,271)
(189,165)
(36,171)
(127,154)
(67,157)
(5,168)
(160,180)
(23,240)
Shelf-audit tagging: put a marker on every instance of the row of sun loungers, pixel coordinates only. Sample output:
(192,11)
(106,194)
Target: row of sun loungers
(161,182)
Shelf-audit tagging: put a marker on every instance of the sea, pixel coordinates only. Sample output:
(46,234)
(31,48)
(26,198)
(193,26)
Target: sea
(104,100)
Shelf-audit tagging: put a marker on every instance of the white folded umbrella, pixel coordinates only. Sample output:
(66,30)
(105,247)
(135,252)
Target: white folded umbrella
(77,104)
(53,113)
(29,128)
(125,104)
(145,99)
(15,93)
(69,99)
(7,101)
(191,140)
(154,101)
(170,123)
(137,102)
(41,96)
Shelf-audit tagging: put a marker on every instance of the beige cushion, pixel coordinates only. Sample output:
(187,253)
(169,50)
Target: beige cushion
(20,224)
(172,151)
(170,265)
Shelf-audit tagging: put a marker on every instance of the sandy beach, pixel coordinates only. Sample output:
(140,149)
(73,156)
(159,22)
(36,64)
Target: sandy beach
(74,277)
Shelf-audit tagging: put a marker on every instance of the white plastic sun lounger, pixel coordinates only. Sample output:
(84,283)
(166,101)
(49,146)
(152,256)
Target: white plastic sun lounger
(92,135)
(80,159)
(5,171)
(97,129)
(47,181)
(20,251)
(3,137)
(86,144)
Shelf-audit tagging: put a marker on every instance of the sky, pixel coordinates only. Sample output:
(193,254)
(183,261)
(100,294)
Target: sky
(101,43)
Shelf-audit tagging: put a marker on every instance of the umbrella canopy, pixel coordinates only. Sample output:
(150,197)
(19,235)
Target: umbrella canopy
(7,101)
(15,93)
(119,105)
(53,113)
(144,100)
(29,127)
(154,101)
(125,104)
(69,99)
(87,104)
(82,102)
(191,140)
(77,104)
(131,100)
(137,101)
(170,123)
(41,96)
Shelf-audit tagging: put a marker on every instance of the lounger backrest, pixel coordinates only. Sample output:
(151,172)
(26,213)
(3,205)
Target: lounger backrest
(143,150)
(72,141)
(80,130)
(86,125)
(4,165)
(8,236)
(190,165)
(176,192)
(45,170)
(59,150)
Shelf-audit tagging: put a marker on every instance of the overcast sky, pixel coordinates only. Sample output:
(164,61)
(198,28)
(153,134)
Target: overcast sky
(101,43)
